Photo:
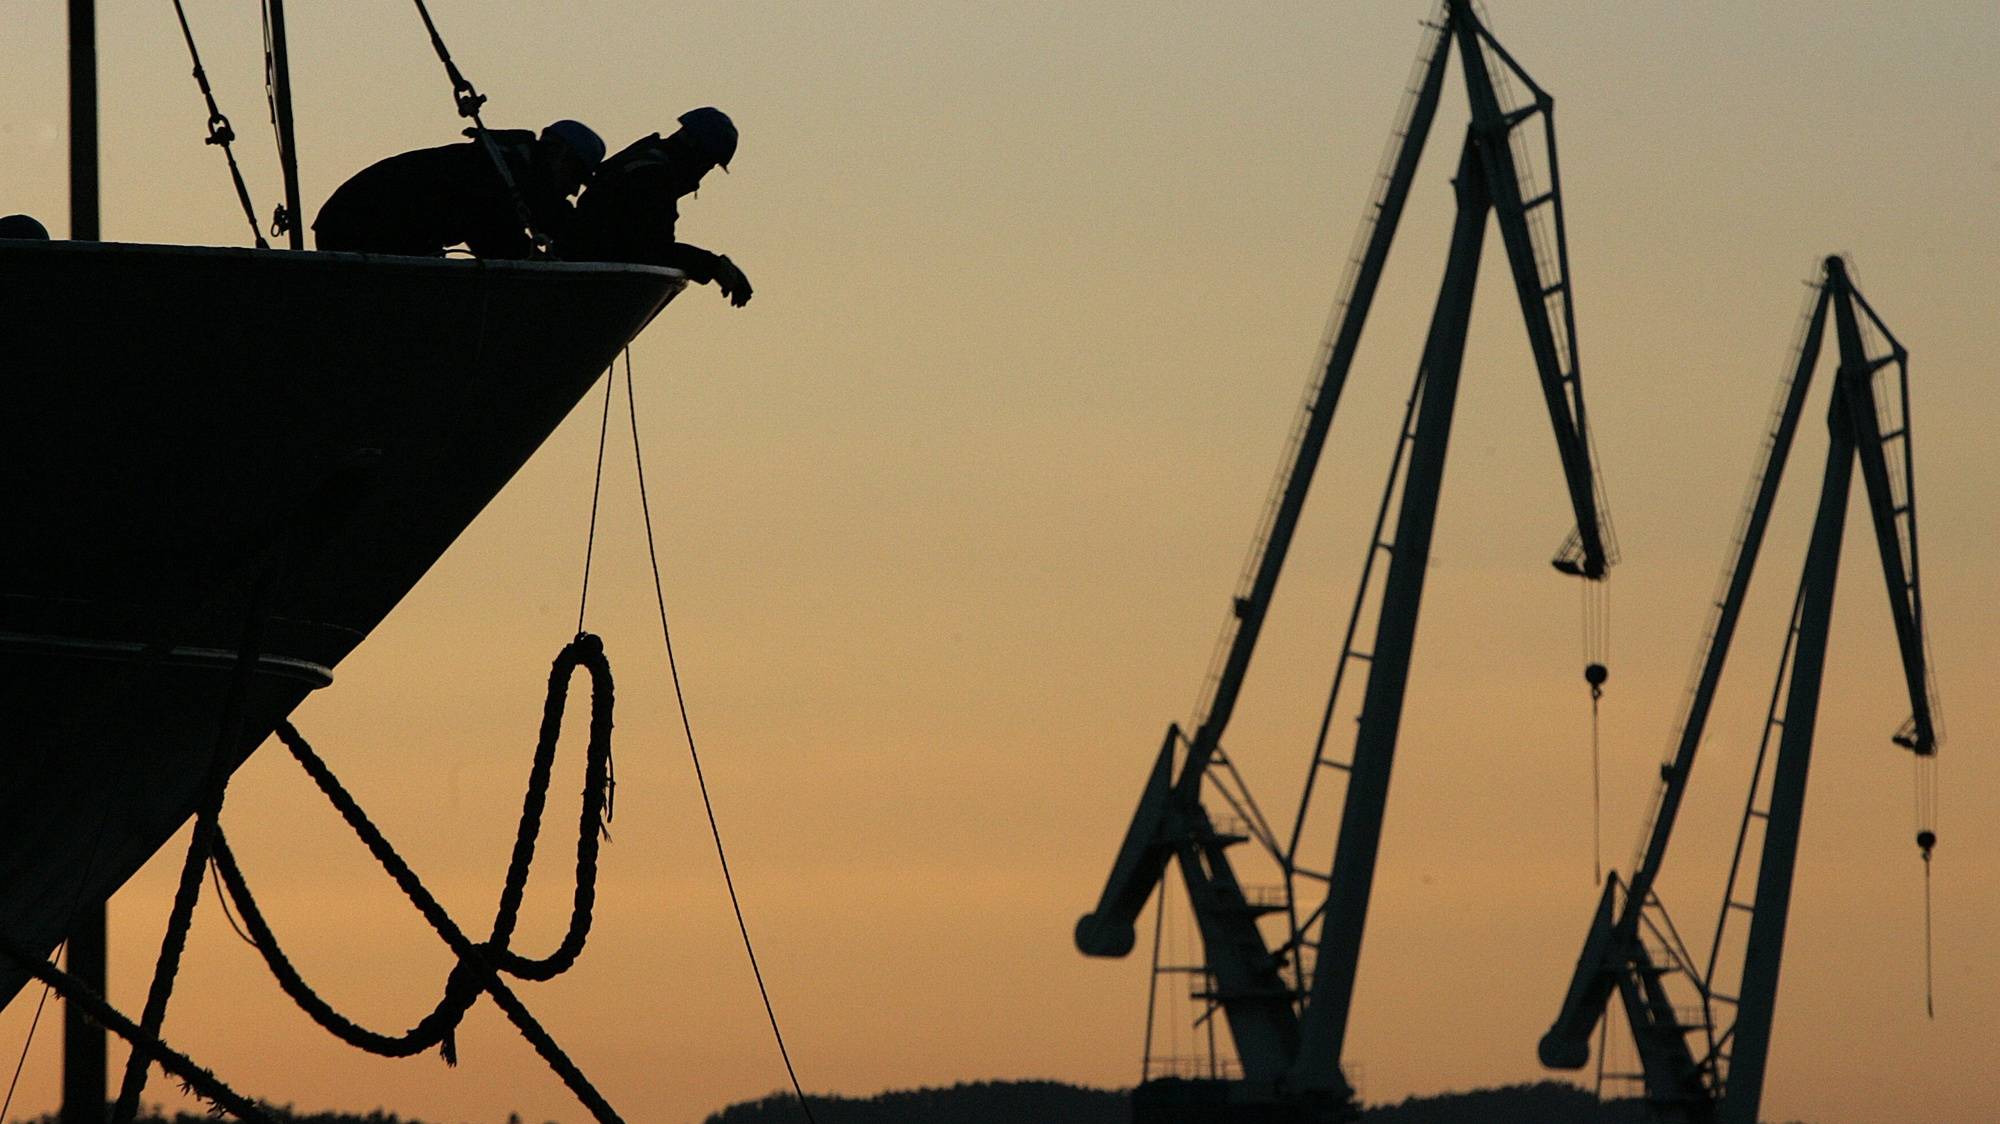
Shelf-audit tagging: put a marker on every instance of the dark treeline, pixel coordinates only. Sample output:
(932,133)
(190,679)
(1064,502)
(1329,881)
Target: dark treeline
(1546,1102)
(1013,1102)
(285,1115)
(1019,1102)
(979,1102)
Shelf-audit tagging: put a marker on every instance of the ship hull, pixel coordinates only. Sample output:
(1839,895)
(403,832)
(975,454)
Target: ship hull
(228,466)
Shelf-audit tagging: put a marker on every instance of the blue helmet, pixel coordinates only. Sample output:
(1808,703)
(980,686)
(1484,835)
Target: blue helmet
(712,133)
(587,145)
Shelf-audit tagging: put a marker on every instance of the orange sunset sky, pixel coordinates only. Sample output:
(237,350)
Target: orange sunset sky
(952,511)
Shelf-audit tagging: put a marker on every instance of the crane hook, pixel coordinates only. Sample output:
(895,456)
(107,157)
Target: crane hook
(1595,674)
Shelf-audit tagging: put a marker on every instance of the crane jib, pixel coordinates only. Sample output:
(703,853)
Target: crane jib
(1724,1080)
(1285,1003)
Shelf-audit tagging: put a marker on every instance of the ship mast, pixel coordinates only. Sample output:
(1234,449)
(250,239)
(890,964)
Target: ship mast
(281,117)
(83,1039)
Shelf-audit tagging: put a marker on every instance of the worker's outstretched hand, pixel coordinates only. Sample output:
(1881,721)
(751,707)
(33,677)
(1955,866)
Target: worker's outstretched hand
(731,281)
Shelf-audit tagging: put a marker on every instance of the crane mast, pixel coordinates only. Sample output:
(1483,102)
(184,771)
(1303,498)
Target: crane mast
(1721,1078)
(1287,1022)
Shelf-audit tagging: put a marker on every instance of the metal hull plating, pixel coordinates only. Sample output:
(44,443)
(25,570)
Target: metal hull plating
(208,452)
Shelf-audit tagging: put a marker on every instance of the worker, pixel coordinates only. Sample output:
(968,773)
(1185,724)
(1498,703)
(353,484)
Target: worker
(419,203)
(628,212)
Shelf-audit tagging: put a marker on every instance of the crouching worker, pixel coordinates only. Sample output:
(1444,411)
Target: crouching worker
(627,214)
(419,203)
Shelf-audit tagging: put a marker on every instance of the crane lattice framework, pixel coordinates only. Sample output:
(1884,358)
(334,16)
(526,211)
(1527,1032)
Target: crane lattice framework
(1286,1004)
(1706,1063)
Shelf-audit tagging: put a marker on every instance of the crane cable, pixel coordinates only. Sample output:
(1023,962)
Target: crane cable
(219,132)
(1930,1004)
(694,755)
(1596,651)
(1926,841)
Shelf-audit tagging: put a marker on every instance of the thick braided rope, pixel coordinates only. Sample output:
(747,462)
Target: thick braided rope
(472,961)
(428,1032)
(586,651)
(462,989)
(204,1083)
(172,946)
(214,786)
(478,964)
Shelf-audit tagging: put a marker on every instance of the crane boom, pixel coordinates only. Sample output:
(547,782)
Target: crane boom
(1108,930)
(1288,1034)
(1726,1083)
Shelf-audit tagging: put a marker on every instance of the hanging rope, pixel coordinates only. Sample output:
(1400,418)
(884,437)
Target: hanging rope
(219,132)
(469,100)
(687,728)
(596,490)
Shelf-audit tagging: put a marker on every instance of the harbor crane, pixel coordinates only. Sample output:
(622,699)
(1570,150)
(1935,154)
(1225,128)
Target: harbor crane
(1286,1004)
(1708,1067)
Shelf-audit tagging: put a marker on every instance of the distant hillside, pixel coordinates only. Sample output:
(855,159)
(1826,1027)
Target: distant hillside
(980,1102)
(1546,1102)
(1017,1102)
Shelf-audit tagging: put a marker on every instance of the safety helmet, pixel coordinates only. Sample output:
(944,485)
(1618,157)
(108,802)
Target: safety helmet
(23,227)
(581,140)
(712,133)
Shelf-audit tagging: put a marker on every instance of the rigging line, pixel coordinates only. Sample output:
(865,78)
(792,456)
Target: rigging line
(75,907)
(219,132)
(687,728)
(32,1024)
(596,490)
(469,100)
(222,899)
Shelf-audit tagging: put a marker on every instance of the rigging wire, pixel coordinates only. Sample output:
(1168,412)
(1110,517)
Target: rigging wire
(687,728)
(219,132)
(469,100)
(222,899)
(32,1024)
(281,217)
(596,490)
